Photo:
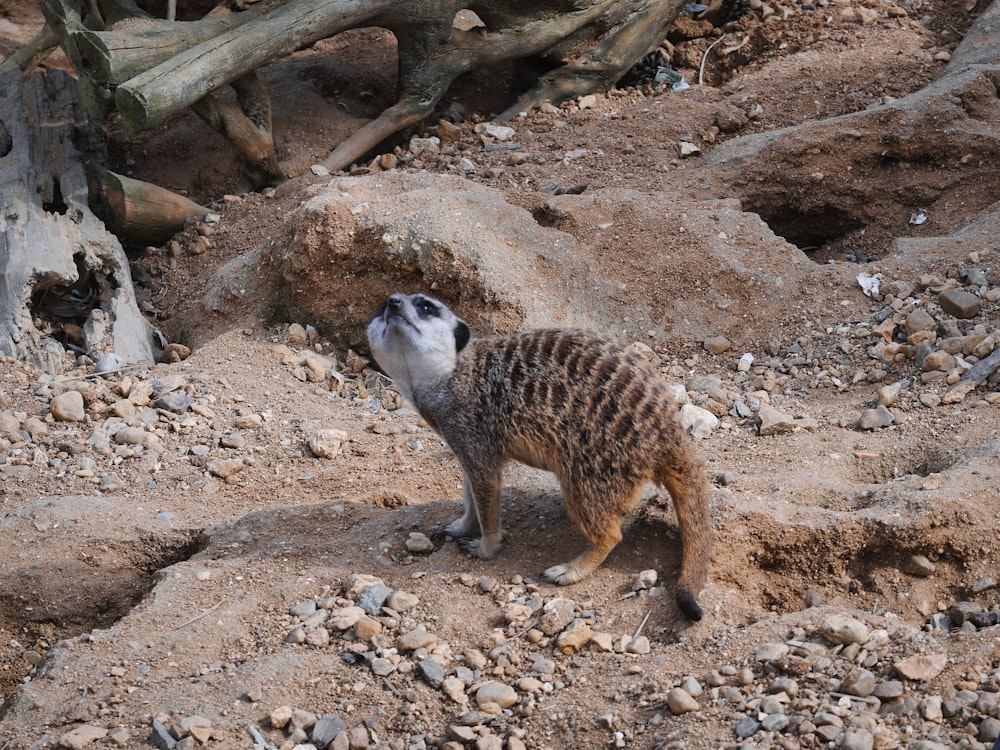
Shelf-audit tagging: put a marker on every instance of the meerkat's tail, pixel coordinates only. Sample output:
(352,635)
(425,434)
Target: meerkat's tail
(683,474)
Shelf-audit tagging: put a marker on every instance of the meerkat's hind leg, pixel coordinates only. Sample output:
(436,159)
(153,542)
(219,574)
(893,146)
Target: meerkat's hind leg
(597,509)
(583,565)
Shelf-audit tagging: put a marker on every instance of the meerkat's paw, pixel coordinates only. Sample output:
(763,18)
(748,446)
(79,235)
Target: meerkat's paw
(478,548)
(564,574)
(457,529)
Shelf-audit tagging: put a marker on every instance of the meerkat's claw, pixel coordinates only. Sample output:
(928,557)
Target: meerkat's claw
(441,534)
(476,548)
(455,530)
(562,575)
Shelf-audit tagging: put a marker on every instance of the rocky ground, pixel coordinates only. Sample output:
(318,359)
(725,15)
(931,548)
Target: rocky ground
(229,549)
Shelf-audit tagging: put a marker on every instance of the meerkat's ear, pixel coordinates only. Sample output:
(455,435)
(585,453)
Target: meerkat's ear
(462,335)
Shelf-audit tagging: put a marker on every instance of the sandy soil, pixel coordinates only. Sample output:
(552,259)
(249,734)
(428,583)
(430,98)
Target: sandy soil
(144,584)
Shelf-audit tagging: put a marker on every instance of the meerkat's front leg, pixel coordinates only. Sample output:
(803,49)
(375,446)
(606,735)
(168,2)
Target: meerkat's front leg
(467,526)
(483,489)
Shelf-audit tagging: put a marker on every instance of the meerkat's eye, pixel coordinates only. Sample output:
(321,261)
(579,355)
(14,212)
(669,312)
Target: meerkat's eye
(426,307)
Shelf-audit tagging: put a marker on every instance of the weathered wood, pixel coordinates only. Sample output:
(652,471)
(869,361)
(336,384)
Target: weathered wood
(30,56)
(432,54)
(118,55)
(160,67)
(49,237)
(143,212)
(152,96)
(246,123)
(973,377)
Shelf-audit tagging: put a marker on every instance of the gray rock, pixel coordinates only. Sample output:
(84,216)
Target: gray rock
(856,739)
(888,394)
(770,651)
(858,682)
(692,687)
(161,738)
(109,364)
(976,276)
(234,440)
(638,645)
(842,629)
(372,598)
(558,614)
(930,709)
(812,598)
(698,422)
(989,730)
(432,672)
(746,727)
(774,723)
(888,689)
(303,609)
(644,580)
(174,402)
(326,729)
(785,685)
(919,320)
(418,542)
(774,422)
(873,419)
(382,667)
(918,565)
(960,304)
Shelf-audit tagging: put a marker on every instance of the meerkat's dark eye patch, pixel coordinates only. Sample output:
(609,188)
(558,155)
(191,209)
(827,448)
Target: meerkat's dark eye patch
(462,335)
(426,307)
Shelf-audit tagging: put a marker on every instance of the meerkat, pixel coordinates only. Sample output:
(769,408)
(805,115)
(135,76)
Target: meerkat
(591,410)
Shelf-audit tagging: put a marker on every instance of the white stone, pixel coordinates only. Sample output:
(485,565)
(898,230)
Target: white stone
(327,443)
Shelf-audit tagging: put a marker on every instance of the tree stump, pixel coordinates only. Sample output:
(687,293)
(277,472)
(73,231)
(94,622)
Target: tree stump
(65,278)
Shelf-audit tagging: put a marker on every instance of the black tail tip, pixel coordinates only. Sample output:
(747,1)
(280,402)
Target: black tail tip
(689,606)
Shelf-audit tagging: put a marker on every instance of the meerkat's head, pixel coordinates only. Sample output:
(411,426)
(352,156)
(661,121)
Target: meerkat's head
(416,340)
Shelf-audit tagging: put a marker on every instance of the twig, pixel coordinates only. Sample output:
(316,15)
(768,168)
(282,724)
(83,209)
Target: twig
(642,625)
(392,688)
(99,375)
(871,700)
(258,738)
(208,611)
(701,69)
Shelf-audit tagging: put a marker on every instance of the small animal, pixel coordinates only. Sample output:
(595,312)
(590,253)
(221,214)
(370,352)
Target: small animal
(591,410)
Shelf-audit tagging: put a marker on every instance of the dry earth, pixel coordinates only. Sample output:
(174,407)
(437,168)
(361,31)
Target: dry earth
(149,574)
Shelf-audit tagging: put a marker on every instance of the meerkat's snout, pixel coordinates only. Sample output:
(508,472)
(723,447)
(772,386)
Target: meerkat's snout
(393,305)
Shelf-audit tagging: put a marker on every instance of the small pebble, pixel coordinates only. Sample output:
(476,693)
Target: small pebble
(681,702)
(68,407)
(498,693)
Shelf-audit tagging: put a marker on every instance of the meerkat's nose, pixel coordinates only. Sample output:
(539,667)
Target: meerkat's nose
(394,302)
